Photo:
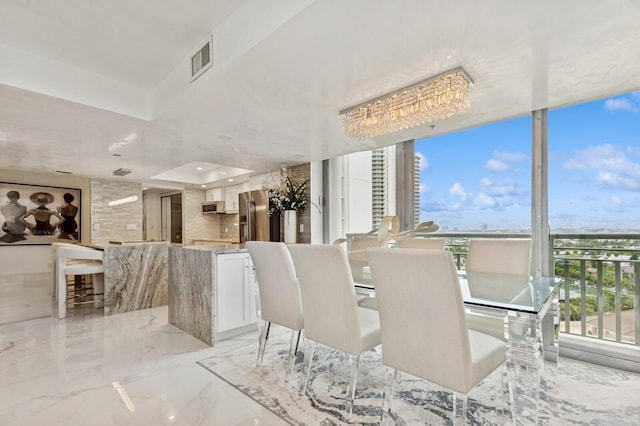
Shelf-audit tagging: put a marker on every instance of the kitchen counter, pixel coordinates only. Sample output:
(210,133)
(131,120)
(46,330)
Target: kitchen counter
(207,241)
(218,250)
(197,305)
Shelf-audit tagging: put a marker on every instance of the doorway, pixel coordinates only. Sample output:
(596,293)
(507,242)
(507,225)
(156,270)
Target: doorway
(171,217)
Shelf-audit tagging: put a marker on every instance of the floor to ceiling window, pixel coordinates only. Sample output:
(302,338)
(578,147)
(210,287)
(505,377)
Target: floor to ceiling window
(594,165)
(478,179)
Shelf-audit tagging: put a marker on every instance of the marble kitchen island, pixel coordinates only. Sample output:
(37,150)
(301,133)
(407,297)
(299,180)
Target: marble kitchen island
(211,291)
(135,276)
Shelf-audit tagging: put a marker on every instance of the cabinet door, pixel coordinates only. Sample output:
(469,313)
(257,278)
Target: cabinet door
(233,299)
(214,194)
(231,198)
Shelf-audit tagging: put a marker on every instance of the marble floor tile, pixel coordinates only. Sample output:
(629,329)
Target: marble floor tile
(124,369)
(24,297)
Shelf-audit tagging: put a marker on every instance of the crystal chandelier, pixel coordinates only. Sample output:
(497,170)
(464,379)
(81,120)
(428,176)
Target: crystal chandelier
(435,98)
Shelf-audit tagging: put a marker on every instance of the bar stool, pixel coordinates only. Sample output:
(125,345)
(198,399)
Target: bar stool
(54,257)
(67,265)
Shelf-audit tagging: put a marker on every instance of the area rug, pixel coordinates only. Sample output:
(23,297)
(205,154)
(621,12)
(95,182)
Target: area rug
(574,393)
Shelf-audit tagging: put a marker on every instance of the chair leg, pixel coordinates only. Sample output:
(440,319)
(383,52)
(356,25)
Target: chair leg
(98,289)
(262,341)
(391,377)
(354,362)
(459,408)
(311,347)
(293,350)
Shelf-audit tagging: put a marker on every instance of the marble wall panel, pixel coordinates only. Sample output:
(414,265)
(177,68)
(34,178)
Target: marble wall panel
(135,277)
(191,287)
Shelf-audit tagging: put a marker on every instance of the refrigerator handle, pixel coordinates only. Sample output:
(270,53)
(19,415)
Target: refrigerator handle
(251,213)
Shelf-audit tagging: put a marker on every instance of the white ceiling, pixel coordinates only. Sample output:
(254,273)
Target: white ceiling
(82,80)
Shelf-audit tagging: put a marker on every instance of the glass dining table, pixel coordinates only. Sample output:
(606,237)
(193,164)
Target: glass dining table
(525,303)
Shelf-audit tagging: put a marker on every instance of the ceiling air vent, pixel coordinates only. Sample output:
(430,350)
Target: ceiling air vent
(121,172)
(202,59)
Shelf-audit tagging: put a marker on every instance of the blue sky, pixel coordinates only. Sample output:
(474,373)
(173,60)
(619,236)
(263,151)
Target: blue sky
(482,176)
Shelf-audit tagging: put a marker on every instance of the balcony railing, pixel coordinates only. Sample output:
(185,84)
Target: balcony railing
(599,277)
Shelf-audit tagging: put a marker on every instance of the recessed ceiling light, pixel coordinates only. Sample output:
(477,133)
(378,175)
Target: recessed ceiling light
(230,179)
(223,173)
(198,168)
(203,186)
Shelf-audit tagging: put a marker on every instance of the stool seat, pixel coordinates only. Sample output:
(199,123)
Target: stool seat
(84,268)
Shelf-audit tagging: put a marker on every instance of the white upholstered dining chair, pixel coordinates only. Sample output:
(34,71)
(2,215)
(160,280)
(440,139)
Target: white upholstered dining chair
(423,324)
(331,314)
(498,256)
(280,301)
(422,243)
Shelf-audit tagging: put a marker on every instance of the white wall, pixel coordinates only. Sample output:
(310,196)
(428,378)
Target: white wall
(317,210)
(359,198)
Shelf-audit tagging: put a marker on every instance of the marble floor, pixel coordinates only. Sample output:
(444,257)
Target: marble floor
(123,369)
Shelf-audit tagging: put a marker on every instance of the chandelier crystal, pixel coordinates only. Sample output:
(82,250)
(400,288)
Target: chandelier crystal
(435,98)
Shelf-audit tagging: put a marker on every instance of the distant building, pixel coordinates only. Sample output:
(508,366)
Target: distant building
(382,194)
(378,186)
(416,190)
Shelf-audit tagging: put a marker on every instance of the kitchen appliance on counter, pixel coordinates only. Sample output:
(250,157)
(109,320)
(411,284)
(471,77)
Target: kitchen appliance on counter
(253,207)
(213,207)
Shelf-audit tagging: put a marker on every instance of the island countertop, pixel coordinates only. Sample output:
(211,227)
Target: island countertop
(197,304)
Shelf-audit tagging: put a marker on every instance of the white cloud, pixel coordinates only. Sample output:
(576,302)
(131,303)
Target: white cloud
(458,191)
(617,201)
(424,163)
(503,187)
(609,164)
(501,161)
(494,165)
(483,201)
(630,102)
(424,188)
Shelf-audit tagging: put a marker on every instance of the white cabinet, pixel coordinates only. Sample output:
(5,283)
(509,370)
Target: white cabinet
(235,292)
(214,194)
(231,197)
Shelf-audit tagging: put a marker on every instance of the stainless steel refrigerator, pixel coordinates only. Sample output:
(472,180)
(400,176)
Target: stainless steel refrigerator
(253,208)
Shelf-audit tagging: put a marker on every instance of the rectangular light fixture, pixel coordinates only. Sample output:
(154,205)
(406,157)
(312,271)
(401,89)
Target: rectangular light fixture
(126,200)
(435,98)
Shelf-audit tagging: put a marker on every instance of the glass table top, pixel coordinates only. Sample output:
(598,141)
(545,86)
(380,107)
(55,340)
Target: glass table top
(519,293)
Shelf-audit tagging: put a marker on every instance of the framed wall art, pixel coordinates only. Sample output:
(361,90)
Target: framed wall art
(31,214)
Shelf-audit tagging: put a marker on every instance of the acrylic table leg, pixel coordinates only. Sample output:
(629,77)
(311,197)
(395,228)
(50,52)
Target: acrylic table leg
(525,364)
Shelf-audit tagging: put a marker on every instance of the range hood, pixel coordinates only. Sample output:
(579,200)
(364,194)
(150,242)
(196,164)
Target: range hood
(213,207)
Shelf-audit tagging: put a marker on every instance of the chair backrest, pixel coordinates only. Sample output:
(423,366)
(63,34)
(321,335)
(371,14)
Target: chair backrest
(422,243)
(422,317)
(500,256)
(78,252)
(359,246)
(280,300)
(328,296)
(64,252)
